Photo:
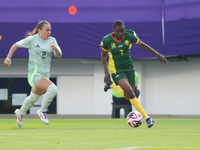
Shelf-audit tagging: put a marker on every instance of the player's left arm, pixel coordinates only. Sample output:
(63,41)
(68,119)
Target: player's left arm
(147,48)
(56,49)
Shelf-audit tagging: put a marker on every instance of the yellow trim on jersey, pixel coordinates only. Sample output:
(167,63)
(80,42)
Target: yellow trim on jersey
(111,64)
(104,49)
(137,40)
(130,45)
(30,80)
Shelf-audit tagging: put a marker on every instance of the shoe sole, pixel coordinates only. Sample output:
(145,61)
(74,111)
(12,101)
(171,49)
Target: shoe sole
(106,88)
(41,120)
(151,125)
(19,125)
(45,123)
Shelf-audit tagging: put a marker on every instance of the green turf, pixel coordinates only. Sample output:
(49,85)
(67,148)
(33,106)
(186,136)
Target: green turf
(99,134)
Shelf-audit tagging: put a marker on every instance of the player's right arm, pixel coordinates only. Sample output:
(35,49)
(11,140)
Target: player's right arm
(22,43)
(104,62)
(7,61)
(104,52)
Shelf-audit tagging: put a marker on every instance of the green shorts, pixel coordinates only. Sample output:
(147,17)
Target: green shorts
(33,80)
(130,75)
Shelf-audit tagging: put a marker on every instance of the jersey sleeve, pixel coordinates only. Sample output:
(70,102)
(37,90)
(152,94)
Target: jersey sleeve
(104,45)
(25,43)
(134,37)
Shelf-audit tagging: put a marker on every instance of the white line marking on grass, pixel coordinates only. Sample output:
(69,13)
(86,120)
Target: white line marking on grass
(152,147)
(180,133)
(178,119)
(27,133)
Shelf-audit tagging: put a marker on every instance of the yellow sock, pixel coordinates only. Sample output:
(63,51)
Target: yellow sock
(135,102)
(118,89)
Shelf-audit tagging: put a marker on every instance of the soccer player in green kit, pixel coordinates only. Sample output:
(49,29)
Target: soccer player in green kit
(41,47)
(117,45)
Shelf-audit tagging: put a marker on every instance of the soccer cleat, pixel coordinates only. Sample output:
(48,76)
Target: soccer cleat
(19,117)
(150,122)
(43,116)
(107,86)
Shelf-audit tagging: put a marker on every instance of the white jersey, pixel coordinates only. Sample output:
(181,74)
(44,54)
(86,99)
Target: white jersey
(40,54)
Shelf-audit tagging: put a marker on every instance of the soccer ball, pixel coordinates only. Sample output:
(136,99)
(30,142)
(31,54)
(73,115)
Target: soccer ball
(134,119)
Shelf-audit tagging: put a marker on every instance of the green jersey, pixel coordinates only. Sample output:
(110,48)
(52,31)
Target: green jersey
(119,51)
(40,54)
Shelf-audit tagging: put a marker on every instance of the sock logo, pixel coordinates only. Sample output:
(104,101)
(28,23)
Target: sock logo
(50,100)
(116,76)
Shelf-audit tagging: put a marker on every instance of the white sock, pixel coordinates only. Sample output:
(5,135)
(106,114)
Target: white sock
(147,117)
(52,91)
(28,103)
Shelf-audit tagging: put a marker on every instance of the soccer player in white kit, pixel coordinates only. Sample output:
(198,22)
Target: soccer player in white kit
(41,47)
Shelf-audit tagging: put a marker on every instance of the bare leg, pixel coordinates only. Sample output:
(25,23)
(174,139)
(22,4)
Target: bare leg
(128,90)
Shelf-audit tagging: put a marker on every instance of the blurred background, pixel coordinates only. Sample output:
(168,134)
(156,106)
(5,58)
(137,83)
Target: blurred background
(171,27)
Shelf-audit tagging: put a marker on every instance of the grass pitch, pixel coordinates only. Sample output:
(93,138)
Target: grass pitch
(99,134)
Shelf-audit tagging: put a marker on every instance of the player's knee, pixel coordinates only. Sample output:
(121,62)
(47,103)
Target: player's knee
(53,89)
(131,95)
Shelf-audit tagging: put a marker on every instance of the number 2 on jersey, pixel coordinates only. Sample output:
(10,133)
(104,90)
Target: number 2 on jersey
(44,55)
(121,51)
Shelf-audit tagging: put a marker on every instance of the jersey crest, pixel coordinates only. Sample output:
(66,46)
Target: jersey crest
(113,45)
(127,42)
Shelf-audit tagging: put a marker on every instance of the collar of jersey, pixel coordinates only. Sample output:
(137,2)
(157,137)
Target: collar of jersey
(40,38)
(116,39)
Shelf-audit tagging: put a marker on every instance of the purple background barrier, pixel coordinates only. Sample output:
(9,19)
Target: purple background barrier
(79,35)
(87,10)
(182,27)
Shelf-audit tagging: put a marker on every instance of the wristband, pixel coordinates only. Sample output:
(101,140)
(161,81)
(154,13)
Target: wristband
(8,59)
